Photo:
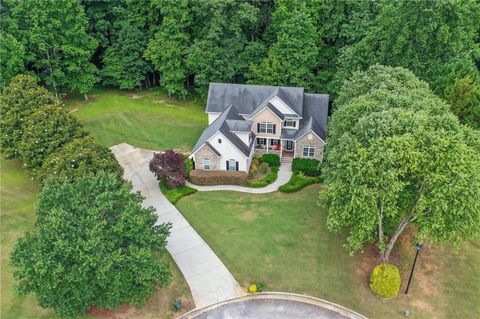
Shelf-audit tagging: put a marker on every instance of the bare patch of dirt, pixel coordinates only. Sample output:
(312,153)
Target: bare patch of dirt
(106,313)
(248,216)
(75,109)
(135,96)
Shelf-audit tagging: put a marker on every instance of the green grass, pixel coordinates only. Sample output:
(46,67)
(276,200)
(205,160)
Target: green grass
(282,240)
(18,196)
(146,119)
(174,194)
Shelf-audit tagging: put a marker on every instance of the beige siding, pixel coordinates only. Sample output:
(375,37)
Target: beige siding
(206,152)
(267,116)
(309,139)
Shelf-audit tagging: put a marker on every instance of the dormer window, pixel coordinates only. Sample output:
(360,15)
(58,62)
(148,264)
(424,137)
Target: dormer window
(290,123)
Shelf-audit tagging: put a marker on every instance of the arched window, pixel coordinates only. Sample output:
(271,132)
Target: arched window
(206,164)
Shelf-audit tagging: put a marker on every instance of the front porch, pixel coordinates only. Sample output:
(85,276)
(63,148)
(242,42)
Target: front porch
(281,147)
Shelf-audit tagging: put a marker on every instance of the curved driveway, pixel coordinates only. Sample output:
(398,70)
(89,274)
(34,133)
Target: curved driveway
(209,280)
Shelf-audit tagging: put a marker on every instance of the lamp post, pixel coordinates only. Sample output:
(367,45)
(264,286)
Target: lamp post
(418,246)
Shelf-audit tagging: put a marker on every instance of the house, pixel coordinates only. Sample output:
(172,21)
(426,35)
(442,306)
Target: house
(256,119)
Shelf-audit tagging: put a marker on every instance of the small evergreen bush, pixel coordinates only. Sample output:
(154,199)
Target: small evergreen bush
(263,168)
(309,166)
(272,159)
(385,281)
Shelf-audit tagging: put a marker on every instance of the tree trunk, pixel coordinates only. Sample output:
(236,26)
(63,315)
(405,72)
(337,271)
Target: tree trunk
(401,227)
(85,96)
(51,74)
(380,231)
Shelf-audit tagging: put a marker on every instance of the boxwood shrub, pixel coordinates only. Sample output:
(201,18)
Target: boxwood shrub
(308,166)
(385,281)
(296,183)
(273,160)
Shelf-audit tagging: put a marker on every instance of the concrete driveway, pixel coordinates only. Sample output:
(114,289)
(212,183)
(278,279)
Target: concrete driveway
(209,280)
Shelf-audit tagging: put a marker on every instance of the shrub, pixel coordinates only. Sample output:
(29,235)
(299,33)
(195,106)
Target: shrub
(260,286)
(174,194)
(47,130)
(252,288)
(93,244)
(170,167)
(79,157)
(203,177)
(385,281)
(296,183)
(309,166)
(17,102)
(253,166)
(272,159)
(263,168)
(187,165)
(256,184)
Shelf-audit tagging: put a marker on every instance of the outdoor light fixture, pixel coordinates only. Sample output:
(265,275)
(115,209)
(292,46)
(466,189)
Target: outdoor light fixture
(418,246)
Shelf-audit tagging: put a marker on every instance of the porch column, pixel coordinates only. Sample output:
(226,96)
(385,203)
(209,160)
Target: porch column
(267,145)
(281,148)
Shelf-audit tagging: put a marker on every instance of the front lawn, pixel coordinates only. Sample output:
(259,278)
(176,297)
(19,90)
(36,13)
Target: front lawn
(146,119)
(18,195)
(282,240)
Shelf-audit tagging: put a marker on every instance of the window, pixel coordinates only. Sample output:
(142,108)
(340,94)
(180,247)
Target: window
(206,163)
(232,165)
(274,142)
(261,141)
(219,141)
(266,127)
(290,123)
(309,151)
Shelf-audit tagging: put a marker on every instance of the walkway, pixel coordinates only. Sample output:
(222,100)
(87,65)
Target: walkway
(209,280)
(284,174)
(274,305)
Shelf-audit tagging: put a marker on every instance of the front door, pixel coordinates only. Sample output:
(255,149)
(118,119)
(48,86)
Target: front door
(289,146)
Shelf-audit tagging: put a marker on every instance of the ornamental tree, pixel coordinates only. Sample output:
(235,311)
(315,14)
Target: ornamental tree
(18,101)
(397,166)
(47,130)
(93,244)
(169,167)
(464,98)
(79,157)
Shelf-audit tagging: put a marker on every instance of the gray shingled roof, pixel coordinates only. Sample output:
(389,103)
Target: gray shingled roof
(310,125)
(246,98)
(222,124)
(240,125)
(213,148)
(288,134)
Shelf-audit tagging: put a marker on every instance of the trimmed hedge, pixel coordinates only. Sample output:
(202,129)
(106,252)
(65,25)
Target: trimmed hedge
(203,177)
(296,183)
(385,281)
(174,194)
(308,166)
(273,160)
(268,179)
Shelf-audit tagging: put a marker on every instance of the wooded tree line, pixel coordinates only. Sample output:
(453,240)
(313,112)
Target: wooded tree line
(183,45)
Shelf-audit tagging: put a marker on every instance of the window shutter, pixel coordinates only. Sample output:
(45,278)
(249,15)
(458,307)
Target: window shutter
(258,127)
(236,163)
(227,165)
(294,123)
(274,128)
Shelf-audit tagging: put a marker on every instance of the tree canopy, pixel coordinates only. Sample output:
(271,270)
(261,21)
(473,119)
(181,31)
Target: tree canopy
(398,157)
(93,244)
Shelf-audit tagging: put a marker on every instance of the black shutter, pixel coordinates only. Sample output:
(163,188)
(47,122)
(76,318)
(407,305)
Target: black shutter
(258,127)
(294,123)
(271,142)
(227,165)
(236,163)
(274,127)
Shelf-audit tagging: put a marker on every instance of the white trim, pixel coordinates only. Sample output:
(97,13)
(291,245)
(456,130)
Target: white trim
(251,117)
(205,144)
(209,164)
(309,147)
(276,97)
(229,141)
(313,133)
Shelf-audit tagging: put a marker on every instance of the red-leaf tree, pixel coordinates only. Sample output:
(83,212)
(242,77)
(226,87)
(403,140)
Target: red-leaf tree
(168,166)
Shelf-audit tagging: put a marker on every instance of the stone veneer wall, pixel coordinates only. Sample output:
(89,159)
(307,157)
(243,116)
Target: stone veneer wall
(313,141)
(206,152)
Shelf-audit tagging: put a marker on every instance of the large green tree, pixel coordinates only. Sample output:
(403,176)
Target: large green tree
(437,40)
(292,58)
(219,36)
(93,245)
(79,157)
(47,130)
(58,48)
(393,164)
(169,48)
(464,98)
(18,101)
